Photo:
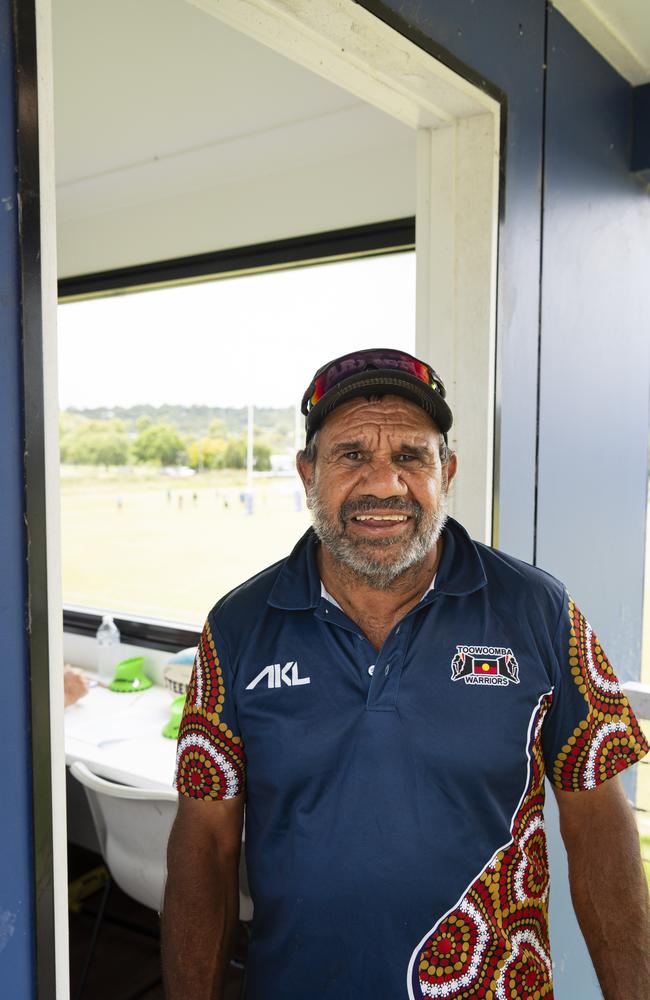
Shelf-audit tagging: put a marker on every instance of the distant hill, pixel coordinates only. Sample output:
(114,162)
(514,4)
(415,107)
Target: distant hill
(277,425)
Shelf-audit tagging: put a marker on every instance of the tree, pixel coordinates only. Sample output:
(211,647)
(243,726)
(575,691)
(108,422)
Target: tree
(218,430)
(206,454)
(236,452)
(234,457)
(159,443)
(262,456)
(93,442)
(142,422)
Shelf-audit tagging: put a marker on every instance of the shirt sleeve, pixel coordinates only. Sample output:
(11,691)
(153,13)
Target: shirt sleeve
(210,757)
(590,733)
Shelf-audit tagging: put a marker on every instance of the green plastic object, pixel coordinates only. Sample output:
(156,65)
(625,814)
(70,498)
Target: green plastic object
(130,676)
(170,729)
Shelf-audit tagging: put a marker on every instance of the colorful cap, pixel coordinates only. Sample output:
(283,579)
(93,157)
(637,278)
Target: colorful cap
(377,371)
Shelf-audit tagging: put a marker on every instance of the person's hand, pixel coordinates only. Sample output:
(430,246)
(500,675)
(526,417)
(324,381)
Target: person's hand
(75,685)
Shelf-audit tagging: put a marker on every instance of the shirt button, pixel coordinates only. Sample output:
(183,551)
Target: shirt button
(371,669)
(397,629)
(387,670)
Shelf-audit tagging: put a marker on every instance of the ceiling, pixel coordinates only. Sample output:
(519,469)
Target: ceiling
(619,29)
(176,134)
(164,113)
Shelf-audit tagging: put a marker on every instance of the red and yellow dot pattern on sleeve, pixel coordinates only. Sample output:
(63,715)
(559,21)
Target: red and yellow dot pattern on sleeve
(494,942)
(609,739)
(210,758)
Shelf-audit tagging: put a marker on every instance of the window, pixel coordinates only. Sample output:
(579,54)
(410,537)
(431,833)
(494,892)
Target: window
(159,390)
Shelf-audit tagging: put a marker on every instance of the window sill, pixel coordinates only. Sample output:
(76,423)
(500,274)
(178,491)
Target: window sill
(149,633)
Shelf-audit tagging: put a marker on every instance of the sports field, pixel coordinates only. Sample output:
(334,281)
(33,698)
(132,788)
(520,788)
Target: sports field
(163,547)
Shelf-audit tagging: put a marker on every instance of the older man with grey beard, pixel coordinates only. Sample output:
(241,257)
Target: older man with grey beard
(362,552)
(387,702)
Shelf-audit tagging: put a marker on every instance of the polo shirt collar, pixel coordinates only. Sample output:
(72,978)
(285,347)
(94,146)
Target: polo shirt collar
(298,585)
(328,597)
(461,569)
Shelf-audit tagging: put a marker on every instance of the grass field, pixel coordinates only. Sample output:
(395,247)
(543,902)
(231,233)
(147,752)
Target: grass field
(167,548)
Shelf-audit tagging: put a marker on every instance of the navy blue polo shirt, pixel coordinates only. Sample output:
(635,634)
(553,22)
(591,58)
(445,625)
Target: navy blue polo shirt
(394,799)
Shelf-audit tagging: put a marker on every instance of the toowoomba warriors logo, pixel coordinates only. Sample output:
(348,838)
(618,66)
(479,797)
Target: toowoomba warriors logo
(492,665)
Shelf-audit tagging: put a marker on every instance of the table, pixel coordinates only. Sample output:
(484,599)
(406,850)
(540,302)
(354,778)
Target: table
(118,736)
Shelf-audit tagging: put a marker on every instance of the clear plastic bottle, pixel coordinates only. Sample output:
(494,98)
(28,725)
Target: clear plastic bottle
(108,642)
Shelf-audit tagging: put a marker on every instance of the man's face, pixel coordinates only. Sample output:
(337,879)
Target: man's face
(378,490)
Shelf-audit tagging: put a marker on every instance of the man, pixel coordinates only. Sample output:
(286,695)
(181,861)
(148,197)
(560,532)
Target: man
(394,694)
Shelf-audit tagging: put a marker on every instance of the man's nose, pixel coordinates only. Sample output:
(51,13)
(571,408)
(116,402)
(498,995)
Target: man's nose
(382,478)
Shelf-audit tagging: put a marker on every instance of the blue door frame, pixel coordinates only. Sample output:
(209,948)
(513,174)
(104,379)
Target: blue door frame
(26,863)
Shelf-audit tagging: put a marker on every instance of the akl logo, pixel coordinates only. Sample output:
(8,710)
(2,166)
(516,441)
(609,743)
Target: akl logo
(276,675)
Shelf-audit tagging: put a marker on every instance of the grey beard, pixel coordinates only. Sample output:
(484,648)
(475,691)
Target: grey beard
(355,555)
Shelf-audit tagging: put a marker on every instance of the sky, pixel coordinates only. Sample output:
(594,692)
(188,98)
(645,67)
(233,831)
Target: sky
(229,342)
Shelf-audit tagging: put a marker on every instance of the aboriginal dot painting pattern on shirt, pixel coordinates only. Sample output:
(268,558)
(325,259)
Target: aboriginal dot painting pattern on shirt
(494,943)
(210,758)
(609,739)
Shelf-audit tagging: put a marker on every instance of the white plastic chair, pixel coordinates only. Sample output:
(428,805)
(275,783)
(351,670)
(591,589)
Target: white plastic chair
(133,826)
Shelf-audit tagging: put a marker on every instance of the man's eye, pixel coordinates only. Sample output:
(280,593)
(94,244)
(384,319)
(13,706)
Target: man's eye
(353,456)
(404,458)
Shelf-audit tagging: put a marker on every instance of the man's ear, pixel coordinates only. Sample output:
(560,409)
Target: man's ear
(306,472)
(450,470)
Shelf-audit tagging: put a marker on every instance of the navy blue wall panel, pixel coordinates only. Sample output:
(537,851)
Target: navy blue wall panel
(595,355)
(16,888)
(594,379)
(503,41)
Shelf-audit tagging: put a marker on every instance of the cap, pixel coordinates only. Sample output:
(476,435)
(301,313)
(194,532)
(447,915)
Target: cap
(378,371)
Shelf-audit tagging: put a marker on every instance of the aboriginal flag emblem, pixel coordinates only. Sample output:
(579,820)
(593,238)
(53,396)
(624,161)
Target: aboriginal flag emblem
(494,666)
